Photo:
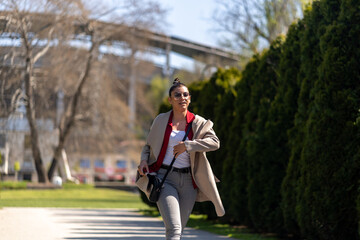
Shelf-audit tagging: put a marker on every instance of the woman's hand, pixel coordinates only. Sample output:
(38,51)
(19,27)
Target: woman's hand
(143,164)
(179,149)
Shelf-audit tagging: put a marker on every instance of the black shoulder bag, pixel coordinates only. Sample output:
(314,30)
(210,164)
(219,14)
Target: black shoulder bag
(155,185)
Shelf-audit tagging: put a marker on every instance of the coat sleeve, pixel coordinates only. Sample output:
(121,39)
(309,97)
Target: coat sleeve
(209,142)
(145,153)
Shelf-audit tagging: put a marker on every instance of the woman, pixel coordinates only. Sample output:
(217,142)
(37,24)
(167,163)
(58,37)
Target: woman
(191,178)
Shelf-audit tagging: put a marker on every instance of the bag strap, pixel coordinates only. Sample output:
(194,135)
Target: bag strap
(172,162)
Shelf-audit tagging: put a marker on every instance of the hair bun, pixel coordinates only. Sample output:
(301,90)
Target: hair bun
(176,81)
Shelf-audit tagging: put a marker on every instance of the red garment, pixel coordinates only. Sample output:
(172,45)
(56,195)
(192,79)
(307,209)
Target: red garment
(189,118)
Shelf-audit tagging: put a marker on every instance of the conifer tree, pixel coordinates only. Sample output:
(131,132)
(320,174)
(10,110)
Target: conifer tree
(280,119)
(310,57)
(234,180)
(223,81)
(213,99)
(330,160)
(263,200)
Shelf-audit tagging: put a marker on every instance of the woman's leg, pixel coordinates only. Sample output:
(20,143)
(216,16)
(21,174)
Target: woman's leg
(169,208)
(187,197)
(176,201)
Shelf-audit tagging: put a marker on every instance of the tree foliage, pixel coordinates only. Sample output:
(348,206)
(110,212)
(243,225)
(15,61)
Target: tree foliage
(250,26)
(158,90)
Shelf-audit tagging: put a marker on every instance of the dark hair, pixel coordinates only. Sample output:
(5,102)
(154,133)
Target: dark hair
(176,84)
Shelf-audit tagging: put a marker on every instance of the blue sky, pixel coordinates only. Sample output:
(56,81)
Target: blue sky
(187,19)
(191,20)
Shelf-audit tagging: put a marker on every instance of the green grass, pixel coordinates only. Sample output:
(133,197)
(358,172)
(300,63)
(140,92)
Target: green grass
(238,232)
(200,222)
(12,185)
(71,196)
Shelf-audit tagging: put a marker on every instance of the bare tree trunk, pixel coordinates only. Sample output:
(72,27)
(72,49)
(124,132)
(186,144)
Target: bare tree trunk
(132,90)
(30,114)
(2,90)
(54,162)
(67,171)
(68,120)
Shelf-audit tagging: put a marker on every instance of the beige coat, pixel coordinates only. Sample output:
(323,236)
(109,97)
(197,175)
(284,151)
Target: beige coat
(204,140)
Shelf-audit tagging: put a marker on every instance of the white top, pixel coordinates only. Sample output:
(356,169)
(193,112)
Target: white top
(183,160)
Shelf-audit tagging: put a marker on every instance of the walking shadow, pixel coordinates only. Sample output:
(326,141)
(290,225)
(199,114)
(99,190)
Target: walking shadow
(108,224)
(111,224)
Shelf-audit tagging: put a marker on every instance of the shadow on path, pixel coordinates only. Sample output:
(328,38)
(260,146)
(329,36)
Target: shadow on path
(90,224)
(121,224)
(110,224)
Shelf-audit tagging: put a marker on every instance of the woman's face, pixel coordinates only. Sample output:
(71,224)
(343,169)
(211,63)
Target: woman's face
(180,98)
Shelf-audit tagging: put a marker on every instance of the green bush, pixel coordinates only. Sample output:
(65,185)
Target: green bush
(235,181)
(330,160)
(263,169)
(309,61)
(213,99)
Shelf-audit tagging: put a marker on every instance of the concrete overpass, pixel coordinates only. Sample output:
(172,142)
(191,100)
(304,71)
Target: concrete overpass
(212,55)
(165,43)
(120,33)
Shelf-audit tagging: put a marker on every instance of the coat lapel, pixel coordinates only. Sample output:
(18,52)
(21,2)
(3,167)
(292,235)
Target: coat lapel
(157,132)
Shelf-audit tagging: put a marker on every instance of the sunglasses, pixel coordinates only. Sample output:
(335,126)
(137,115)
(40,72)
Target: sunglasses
(178,95)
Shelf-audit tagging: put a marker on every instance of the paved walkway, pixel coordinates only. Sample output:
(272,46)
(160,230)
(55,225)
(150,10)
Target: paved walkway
(91,224)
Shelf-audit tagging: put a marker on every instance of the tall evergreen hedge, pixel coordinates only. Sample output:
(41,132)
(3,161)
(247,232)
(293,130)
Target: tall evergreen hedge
(329,164)
(234,180)
(263,171)
(213,99)
(289,126)
(310,59)
(281,119)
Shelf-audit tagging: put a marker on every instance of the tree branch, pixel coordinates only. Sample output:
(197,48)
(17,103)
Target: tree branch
(45,49)
(69,119)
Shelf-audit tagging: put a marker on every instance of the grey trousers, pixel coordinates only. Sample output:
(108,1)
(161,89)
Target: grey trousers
(176,201)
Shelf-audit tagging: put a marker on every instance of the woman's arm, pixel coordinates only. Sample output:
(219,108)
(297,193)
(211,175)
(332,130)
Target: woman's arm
(145,153)
(210,142)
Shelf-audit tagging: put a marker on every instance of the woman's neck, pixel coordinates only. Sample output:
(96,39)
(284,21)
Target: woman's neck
(179,116)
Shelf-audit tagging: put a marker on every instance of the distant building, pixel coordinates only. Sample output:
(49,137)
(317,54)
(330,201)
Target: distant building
(15,143)
(92,167)
(86,166)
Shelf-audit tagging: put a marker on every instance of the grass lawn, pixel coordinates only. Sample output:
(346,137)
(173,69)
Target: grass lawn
(71,196)
(200,222)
